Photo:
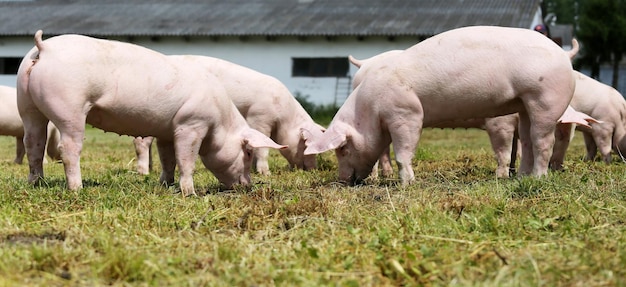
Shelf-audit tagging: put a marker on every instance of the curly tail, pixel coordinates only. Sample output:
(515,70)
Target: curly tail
(38,40)
(574,49)
(355,61)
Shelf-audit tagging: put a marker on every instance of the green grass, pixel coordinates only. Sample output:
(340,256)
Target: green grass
(457,225)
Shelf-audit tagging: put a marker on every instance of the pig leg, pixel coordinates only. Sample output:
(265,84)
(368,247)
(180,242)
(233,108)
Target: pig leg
(603,136)
(70,147)
(168,161)
(260,160)
(19,150)
(34,136)
(261,155)
(187,142)
(501,138)
(563,135)
(590,146)
(374,173)
(404,146)
(502,149)
(143,150)
(385,162)
(542,138)
(526,162)
(35,143)
(52,147)
(405,136)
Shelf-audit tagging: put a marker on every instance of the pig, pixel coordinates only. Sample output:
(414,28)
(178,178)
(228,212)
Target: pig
(131,90)
(11,125)
(609,107)
(502,130)
(598,110)
(470,72)
(268,107)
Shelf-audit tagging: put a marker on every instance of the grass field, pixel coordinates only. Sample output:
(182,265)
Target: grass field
(457,225)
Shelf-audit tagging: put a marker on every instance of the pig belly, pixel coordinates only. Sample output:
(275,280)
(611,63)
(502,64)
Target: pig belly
(477,123)
(436,113)
(131,124)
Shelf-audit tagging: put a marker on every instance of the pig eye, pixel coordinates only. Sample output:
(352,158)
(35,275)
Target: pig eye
(343,150)
(249,152)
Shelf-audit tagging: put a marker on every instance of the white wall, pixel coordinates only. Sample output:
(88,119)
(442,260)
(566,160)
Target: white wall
(269,57)
(13,47)
(274,57)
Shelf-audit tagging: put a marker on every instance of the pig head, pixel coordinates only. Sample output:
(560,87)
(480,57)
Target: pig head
(266,104)
(11,125)
(472,72)
(127,89)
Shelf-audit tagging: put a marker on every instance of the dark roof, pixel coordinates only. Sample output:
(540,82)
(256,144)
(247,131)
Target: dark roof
(258,17)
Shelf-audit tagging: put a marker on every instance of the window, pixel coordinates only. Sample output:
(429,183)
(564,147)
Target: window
(9,65)
(320,67)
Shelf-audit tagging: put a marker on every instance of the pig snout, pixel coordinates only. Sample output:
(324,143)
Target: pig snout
(244,179)
(351,176)
(310,162)
(348,177)
(241,180)
(352,179)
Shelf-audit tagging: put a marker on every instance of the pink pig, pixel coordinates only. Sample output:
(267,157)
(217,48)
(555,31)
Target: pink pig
(11,125)
(598,110)
(472,72)
(605,110)
(608,106)
(268,107)
(127,89)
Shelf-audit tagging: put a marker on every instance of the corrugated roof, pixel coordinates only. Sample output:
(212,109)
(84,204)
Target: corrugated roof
(258,17)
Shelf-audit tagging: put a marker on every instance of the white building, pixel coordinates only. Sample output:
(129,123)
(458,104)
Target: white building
(303,43)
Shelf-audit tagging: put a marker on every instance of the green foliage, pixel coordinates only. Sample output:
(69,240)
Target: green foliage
(321,114)
(600,27)
(603,34)
(564,10)
(456,225)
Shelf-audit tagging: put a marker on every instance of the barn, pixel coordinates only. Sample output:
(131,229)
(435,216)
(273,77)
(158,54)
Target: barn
(303,43)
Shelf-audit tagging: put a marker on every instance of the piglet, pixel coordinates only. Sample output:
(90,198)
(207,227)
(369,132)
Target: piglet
(266,104)
(471,72)
(130,90)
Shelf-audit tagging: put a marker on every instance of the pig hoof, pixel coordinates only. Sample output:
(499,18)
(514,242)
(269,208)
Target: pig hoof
(189,194)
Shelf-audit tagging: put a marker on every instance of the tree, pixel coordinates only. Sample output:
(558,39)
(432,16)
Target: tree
(600,26)
(602,32)
(566,11)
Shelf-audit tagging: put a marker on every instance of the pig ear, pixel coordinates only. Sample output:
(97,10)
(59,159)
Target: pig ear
(255,139)
(573,116)
(311,131)
(330,140)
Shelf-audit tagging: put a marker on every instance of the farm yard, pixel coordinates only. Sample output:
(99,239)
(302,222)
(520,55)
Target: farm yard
(456,225)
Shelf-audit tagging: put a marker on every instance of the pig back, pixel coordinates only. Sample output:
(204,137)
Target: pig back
(129,89)
(479,71)
(596,99)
